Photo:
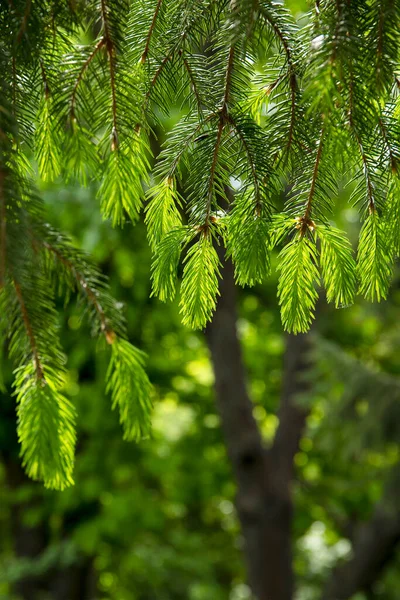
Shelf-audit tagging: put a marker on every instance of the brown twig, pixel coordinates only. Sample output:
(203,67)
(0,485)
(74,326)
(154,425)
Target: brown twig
(150,32)
(85,66)
(305,220)
(223,118)
(393,160)
(251,163)
(192,82)
(87,290)
(370,186)
(111,61)
(154,80)
(189,140)
(29,332)
(292,76)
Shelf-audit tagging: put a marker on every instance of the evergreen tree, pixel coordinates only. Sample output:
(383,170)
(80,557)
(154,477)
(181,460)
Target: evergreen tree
(267,108)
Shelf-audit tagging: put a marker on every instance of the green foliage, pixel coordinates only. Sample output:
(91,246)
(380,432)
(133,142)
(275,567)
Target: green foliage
(165,264)
(267,109)
(96,104)
(130,389)
(162,211)
(48,153)
(374,259)
(297,283)
(176,533)
(120,191)
(248,241)
(46,428)
(37,264)
(199,288)
(392,216)
(338,266)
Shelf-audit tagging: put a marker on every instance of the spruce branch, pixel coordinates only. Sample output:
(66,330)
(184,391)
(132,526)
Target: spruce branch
(86,289)
(189,140)
(367,174)
(208,56)
(357,136)
(46,431)
(338,265)
(109,44)
(282,37)
(199,289)
(252,163)
(223,119)
(162,211)
(297,284)
(305,221)
(193,83)
(100,44)
(154,80)
(130,389)
(29,332)
(388,144)
(150,32)
(374,259)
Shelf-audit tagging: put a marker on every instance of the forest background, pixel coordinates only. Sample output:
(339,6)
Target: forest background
(156,520)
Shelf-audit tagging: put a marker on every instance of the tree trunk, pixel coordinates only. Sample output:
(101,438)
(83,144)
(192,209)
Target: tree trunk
(374,546)
(263,477)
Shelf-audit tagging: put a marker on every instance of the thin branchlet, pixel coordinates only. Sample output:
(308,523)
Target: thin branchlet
(189,140)
(154,80)
(109,44)
(193,83)
(306,222)
(252,164)
(29,332)
(357,136)
(150,32)
(89,292)
(291,75)
(223,119)
(100,44)
(385,137)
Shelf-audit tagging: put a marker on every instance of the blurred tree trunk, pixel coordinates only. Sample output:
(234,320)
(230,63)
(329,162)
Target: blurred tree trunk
(374,545)
(263,477)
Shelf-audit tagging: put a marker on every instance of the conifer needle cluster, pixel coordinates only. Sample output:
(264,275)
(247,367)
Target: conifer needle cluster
(269,108)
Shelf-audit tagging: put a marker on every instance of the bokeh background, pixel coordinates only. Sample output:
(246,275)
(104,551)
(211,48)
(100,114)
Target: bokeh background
(156,520)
